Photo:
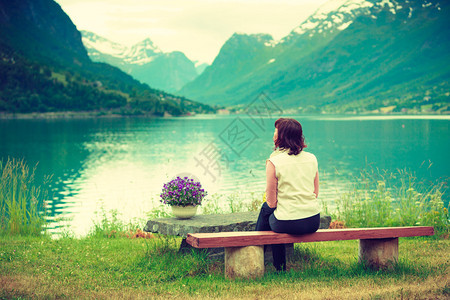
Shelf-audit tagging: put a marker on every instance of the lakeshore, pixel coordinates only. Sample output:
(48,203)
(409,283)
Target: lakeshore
(116,114)
(116,164)
(68,115)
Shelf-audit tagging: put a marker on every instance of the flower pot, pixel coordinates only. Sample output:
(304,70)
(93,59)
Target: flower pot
(184,212)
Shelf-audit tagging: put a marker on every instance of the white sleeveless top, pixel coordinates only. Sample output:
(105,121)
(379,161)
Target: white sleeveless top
(295,174)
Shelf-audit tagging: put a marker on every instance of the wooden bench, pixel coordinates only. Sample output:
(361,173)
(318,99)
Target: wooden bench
(244,250)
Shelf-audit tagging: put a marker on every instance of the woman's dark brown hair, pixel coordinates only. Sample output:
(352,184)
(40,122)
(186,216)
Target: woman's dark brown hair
(290,136)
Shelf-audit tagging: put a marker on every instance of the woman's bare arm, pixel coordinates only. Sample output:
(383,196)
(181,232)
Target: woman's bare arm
(316,184)
(271,185)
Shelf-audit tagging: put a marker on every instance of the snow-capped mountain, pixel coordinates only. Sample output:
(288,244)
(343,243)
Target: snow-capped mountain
(339,14)
(335,15)
(354,54)
(260,55)
(99,45)
(142,53)
(144,61)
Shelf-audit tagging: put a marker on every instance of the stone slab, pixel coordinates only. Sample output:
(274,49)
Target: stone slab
(244,221)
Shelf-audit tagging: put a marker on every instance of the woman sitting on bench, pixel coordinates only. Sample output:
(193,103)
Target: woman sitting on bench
(292,187)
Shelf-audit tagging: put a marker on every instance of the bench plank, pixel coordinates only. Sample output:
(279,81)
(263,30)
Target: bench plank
(252,238)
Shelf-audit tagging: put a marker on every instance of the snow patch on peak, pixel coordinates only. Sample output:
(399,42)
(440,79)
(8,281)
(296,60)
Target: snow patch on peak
(262,37)
(140,60)
(328,7)
(344,25)
(143,52)
(334,14)
(338,18)
(271,43)
(140,53)
(342,6)
(430,4)
(308,25)
(392,6)
(100,44)
(146,45)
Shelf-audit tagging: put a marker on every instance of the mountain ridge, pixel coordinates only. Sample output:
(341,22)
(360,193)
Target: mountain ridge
(314,68)
(44,67)
(144,61)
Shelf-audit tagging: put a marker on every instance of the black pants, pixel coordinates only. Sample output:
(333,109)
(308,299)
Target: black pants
(267,221)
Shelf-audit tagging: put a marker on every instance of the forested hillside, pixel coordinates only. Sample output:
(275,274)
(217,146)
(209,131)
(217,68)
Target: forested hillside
(360,56)
(44,67)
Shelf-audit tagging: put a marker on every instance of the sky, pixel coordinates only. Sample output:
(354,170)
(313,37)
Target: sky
(198,28)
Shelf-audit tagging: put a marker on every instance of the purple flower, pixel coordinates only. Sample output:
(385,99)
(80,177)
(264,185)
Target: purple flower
(182,191)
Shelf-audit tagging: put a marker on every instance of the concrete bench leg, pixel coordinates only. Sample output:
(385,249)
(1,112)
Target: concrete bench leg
(378,253)
(244,262)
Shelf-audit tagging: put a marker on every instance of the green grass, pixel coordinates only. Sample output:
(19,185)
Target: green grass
(92,267)
(381,198)
(21,209)
(111,226)
(112,263)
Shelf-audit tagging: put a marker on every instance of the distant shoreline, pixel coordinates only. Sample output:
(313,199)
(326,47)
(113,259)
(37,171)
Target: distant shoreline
(100,114)
(71,115)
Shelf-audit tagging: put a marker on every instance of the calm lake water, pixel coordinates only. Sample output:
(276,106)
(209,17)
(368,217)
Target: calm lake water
(121,163)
